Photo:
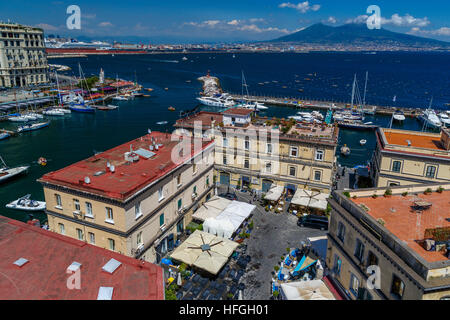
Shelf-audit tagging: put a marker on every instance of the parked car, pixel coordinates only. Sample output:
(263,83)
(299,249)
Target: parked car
(229,196)
(313,221)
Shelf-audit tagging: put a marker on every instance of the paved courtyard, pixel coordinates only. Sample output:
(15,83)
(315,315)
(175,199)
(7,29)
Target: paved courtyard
(272,234)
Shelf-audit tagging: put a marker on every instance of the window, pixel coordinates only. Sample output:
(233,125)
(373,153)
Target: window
(359,250)
(341,231)
(224,159)
(292,171)
(161,219)
(354,285)
(112,244)
(207,181)
(317,175)
(337,265)
(269,148)
(246,164)
(137,210)
(246,144)
(397,287)
(396,166)
(160,194)
(225,142)
(76,204)
(91,238)
(80,234)
(58,200)
(194,190)
(431,172)
(319,155)
(179,180)
(180,203)
(294,152)
(372,259)
(139,239)
(61,228)
(109,215)
(89,209)
(268,167)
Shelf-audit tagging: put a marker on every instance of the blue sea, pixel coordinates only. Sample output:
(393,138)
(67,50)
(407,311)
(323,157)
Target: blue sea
(413,77)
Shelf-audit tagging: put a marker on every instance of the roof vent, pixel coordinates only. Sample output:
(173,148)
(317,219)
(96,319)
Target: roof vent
(108,164)
(408,142)
(21,262)
(75,266)
(87,180)
(149,131)
(112,168)
(111,266)
(105,293)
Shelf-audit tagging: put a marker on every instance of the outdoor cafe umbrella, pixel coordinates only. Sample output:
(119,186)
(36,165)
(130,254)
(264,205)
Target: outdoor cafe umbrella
(312,199)
(179,279)
(240,295)
(307,290)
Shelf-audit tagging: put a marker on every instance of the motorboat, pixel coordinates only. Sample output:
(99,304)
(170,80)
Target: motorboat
(25,203)
(430,119)
(53,112)
(4,135)
(445,119)
(120,98)
(81,108)
(398,116)
(7,173)
(64,110)
(362,142)
(19,119)
(162,122)
(216,102)
(296,118)
(35,115)
(32,126)
(184,59)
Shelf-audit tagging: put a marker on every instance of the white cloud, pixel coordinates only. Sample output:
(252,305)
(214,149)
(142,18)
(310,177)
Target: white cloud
(105,24)
(302,7)
(395,20)
(332,20)
(47,27)
(444,31)
(249,25)
(233,22)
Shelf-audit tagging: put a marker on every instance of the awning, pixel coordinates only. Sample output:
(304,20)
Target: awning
(205,251)
(211,209)
(307,290)
(274,194)
(311,199)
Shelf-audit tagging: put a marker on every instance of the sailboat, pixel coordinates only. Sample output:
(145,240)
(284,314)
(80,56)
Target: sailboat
(430,118)
(82,107)
(8,173)
(247,104)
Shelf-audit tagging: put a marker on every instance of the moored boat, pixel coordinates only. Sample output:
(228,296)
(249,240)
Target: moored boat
(26,204)
(33,126)
(345,150)
(398,116)
(4,135)
(8,173)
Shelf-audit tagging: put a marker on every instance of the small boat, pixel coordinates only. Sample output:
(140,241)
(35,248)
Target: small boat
(82,108)
(166,89)
(4,135)
(120,98)
(42,161)
(25,203)
(345,150)
(149,89)
(32,127)
(171,109)
(162,122)
(362,142)
(35,115)
(398,116)
(19,119)
(106,108)
(64,110)
(184,59)
(7,173)
(53,112)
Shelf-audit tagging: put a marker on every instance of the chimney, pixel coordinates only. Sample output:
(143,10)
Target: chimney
(445,138)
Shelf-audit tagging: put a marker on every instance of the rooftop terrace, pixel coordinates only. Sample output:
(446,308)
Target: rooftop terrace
(119,173)
(49,255)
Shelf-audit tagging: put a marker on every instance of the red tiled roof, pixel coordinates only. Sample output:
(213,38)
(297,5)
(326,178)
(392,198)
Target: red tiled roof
(204,117)
(408,225)
(417,140)
(128,178)
(238,111)
(49,254)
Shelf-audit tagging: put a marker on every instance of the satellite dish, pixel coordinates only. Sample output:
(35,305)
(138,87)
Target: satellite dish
(149,131)
(108,164)
(112,168)
(87,180)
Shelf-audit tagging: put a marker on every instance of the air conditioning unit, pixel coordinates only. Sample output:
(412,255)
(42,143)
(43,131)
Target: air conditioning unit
(163,227)
(194,195)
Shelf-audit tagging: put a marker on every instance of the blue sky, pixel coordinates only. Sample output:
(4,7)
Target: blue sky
(183,21)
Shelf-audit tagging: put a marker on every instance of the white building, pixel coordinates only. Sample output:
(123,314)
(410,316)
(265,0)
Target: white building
(237,117)
(23,60)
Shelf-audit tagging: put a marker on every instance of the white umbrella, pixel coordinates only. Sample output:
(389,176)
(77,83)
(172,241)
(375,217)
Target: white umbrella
(240,295)
(179,279)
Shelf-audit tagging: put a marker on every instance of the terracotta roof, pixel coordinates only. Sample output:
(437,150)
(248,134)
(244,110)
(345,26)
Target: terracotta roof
(49,254)
(417,140)
(407,224)
(238,111)
(127,178)
(204,117)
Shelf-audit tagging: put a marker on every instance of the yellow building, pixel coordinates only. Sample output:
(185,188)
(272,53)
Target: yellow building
(23,60)
(391,247)
(135,198)
(260,153)
(410,157)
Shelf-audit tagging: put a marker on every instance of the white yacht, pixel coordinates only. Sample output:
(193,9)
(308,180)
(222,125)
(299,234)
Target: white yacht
(7,173)
(430,119)
(217,102)
(25,203)
(445,119)
(53,112)
(19,119)
(399,116)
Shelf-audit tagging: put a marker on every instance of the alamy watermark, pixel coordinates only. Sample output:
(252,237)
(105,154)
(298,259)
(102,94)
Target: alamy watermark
(374,18)
(73,22)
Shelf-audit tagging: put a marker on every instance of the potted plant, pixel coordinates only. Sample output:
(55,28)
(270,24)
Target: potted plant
(405,193)
(230,296)
(440,190)
(276,294)
(388,193)
(374,196)
(428,191)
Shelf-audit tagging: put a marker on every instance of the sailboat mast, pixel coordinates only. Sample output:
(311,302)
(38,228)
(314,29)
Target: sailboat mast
(57,85)
(353,91)
(365,89)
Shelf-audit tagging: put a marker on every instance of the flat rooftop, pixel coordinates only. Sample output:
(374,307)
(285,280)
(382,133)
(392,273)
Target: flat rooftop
(416,139)
(406,223)
(49,255)
(128,177)
(238,111)
(206,119)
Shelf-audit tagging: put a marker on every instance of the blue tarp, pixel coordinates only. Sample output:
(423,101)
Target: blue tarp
(167,262)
